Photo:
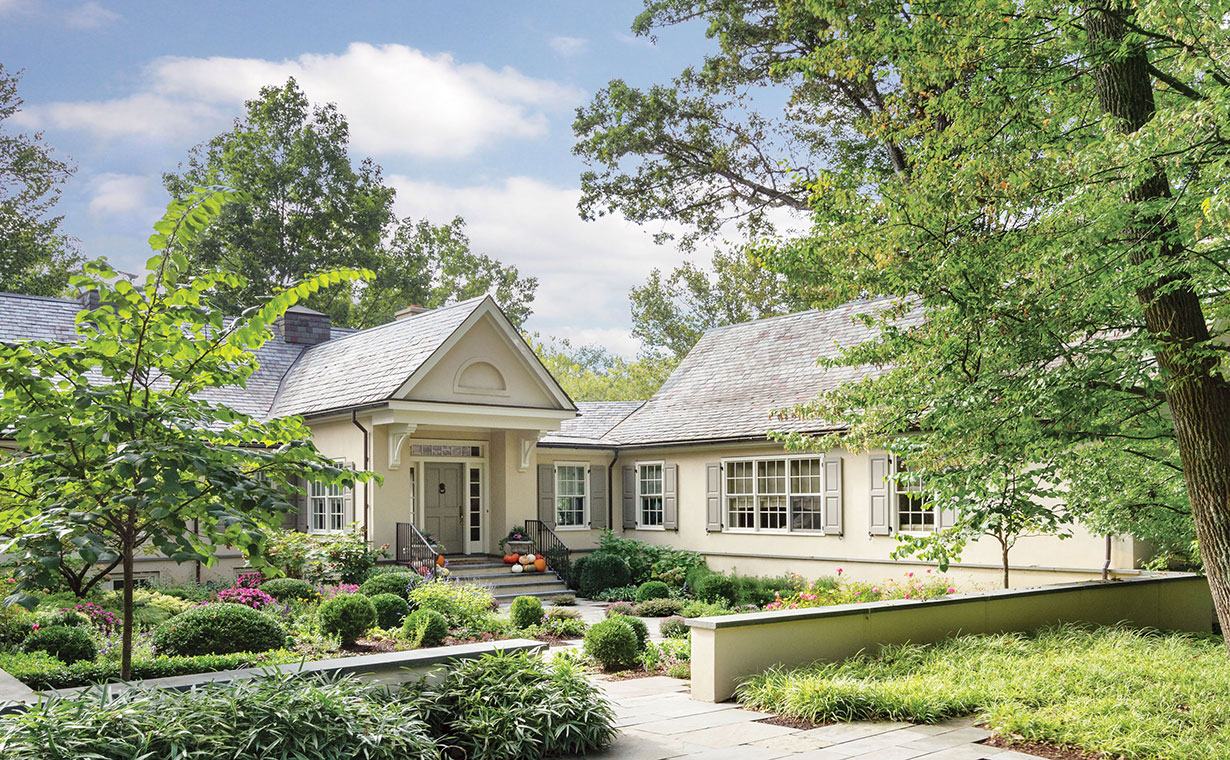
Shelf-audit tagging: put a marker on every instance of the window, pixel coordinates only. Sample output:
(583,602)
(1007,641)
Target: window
(649,495)
(914,514)
(139,580)
(476,504)
(326,508)
(774,494)
(571,496)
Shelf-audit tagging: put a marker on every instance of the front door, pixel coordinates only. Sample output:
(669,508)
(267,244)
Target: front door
(443,500)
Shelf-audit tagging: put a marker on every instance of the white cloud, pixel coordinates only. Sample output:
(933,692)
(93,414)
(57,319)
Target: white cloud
(585,269)
(568,46)
(399,101)
(124,195)
(89,15)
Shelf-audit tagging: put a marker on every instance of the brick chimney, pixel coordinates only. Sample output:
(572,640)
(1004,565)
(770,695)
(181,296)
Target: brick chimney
(410,311)
(303,326)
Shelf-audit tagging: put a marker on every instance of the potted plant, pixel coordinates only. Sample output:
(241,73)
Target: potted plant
(517,541)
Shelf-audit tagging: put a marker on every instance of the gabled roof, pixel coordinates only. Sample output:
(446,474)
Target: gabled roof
(728,385)
(590,426)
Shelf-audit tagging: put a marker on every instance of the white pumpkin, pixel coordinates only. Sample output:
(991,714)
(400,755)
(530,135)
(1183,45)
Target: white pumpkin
(442,572)
(518,568)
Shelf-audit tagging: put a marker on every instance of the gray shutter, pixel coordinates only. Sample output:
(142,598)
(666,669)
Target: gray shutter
(832,496)
(546,494)
(348,515)
(597,496)
(880,498)
(301,501)
(629,483)
(670,497)
(713,496)
(948,517)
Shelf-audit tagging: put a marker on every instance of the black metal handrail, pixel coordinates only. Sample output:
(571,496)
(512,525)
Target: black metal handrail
(553,550)
(415,550)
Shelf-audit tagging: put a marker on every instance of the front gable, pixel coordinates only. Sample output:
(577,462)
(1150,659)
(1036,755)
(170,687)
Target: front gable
(485,362)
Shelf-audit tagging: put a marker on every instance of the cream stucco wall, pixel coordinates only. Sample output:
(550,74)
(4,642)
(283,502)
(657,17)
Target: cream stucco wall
(577,538)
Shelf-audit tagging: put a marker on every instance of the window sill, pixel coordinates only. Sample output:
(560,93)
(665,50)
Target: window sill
(650,527)
(766,532)
(571,528)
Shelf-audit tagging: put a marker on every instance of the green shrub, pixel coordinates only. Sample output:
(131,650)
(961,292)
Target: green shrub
(68,645)
(576,570)
(564,628)
(510,706)
(347,616)
(563,600)
(619,608)
(658,608)
(652,590)
(344,556)
(391,609)
(716,588)
(603,571)
(673,627)
(15,626)
(526,611)
(398,583)
(41,671)
(697,608)
(695,576)
(425,628)
(189,592)
(462,604)
(289,590)
(66,618)
(617,594)
(612,644)
(645,560)
(271,718)
(562,613)
(761,591)
(639,628)
(218,629)
(661,656)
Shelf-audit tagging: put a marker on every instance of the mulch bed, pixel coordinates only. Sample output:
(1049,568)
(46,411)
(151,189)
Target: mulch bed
(789,722)
(1041,749)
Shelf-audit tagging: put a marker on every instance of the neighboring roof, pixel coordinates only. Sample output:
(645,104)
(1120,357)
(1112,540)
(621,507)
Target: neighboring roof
(593,421)
(37,318)
(729,383)
(368,366)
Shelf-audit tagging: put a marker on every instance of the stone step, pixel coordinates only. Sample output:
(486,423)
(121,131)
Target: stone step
(505,598)
(489,568)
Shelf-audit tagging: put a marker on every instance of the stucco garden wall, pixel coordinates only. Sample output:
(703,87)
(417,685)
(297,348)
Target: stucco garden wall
(727,649)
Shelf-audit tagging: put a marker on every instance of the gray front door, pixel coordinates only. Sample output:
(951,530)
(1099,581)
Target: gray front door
(443,501)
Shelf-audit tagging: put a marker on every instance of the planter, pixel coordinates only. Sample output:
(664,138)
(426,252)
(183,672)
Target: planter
(519,547)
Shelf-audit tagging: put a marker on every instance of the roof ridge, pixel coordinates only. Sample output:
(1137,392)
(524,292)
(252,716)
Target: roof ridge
(56,299)
(403,320)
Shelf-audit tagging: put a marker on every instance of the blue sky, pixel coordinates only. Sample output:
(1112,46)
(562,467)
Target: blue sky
(467,105)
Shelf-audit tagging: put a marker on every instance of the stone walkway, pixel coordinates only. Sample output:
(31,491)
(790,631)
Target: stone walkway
(658,719)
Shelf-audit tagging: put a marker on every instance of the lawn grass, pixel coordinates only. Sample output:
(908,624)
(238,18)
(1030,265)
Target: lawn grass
(1140,695)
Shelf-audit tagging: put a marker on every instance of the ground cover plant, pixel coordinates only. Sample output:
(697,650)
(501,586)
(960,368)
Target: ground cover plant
(1126,693)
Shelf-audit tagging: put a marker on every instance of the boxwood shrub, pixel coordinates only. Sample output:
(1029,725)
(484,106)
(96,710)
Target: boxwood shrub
(219,629)
(399,583)
(612,643)
(652,590)
(425,628)
(658,607)
(289,590)
(526,611)
(716,588)
(65,643)
(603,571)
(391,609)
(347,616)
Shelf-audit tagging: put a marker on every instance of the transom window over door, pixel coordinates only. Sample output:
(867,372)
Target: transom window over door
(649,495)
(914,513)
(326,506)
(571,496)
(774,494)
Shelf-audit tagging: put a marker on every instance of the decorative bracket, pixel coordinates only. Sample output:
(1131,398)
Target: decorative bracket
(527,449)
(398,433)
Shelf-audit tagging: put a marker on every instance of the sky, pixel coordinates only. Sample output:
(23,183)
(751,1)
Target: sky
(467,106)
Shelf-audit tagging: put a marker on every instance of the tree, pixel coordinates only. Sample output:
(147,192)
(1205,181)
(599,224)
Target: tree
(118,450)
(671,312)
(1052,241)
(307,209)
(35,256)
(592,373)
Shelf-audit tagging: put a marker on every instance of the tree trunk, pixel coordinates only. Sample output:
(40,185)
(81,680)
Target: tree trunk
(126,638)
(1003,553)
(1199,399)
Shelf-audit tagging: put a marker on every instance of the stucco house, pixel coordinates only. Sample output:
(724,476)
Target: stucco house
(472,436)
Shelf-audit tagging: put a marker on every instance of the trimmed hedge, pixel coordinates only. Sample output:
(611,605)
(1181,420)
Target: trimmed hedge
(69,645)
(425,628)
(652,590)
(658,607)
(221,628)
(398,583)
(289,590)
(347,616)
(391,609)
(612,643)
(716,588)
(41,671)
(526,611)
(602,571)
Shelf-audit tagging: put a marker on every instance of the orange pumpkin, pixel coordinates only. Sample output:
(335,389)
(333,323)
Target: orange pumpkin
(511,559)
(540,564)
(439,560)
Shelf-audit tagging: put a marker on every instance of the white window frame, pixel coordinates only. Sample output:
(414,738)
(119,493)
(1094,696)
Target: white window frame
(584,467)
(640,504)
(326,513)
(896,502)
(754,461)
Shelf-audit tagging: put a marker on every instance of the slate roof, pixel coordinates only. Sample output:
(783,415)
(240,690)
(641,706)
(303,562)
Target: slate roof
(735,376)
(593,421)
(368,366)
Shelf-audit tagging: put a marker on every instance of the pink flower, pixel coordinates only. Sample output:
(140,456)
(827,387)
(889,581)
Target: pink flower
(839,571)
(952,590)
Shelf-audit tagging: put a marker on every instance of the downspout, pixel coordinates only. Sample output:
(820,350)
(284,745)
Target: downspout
(367,466)
(610,498)
(1106,565)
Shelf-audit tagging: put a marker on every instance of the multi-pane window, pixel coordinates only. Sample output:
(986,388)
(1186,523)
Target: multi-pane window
(774,494)
(914,513)
(476,504)
(649,495)
(570,495)
(326,508)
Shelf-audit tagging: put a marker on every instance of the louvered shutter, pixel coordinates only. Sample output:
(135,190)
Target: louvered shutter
(546,494)
(629,498)
(833,506)
(880,489)
(597,496)
(348,515)
(948,517)
(301,502)
(713,497)
(670,497)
